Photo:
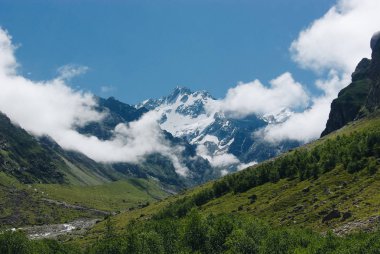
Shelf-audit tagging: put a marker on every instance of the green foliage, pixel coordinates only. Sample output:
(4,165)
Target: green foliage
(295,189)
(13,242)
(114,196)
(355,152)
(17,243)
(197,233)
(22,205)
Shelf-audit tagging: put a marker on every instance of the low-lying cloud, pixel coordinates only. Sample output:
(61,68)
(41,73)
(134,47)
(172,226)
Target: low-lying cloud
(218,160)
(307,125)
(53,108)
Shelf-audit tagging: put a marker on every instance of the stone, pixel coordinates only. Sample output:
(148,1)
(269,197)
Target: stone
(334,214)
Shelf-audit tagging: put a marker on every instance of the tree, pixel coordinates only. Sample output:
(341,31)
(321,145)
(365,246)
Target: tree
(195,233)
(240,243)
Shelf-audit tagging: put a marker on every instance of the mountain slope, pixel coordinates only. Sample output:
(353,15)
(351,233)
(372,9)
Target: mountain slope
(308,187)
(286,205)
(329,184)
(154,165)
(41,183)
(23,157)
(116,112)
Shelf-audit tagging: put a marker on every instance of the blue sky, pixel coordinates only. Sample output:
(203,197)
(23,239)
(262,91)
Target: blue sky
(144,49)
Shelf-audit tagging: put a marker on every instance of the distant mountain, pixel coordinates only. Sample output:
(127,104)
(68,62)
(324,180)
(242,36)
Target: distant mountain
(219,138)
(362,96)
(212,143)
(116,112)
(22,156)
(41,160)
(155,165)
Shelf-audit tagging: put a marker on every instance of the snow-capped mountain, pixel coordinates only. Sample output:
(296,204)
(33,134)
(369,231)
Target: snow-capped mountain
(227,143)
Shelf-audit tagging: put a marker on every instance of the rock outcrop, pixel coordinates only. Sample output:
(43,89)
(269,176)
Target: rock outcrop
(360,97)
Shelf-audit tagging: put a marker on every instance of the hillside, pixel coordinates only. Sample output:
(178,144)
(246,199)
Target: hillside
(40,183)
(40,204)
(280,205)
(301,193)
(330,184)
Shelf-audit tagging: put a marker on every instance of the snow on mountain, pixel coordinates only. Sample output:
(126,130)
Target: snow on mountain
(227,143)
(279,117)
(183,113)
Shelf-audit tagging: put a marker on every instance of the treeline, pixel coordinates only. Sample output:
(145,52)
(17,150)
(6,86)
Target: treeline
(227,233)
(355,152)
(197,233)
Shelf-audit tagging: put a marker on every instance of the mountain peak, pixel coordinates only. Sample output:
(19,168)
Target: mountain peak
(182,90)
(177,92)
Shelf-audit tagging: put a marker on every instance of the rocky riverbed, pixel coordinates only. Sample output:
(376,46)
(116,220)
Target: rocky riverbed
(53,231)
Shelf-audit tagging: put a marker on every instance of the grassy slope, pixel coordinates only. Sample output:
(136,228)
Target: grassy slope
(285,202)
(59,175)
(113,196)
(21,205)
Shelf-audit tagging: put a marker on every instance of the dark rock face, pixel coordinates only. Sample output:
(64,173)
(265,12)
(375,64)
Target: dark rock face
(374,40)
(117,112)
(373,101)
(362,95)
(346,107)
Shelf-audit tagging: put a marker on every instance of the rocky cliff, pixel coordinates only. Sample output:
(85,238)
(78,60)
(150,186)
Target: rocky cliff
(360,97)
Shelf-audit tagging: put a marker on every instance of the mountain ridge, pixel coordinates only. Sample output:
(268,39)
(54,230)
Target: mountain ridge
(219,138)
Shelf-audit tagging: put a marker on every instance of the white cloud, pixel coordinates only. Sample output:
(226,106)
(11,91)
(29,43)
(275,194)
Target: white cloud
(331,47)
(53,108)
(340,39)
(8,63)
(219,160)
(307,125)
(255,98)
(70,71)
(246,165)
(334,43)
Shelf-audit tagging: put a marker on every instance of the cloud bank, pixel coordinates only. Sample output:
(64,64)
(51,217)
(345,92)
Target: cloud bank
(339,39)
(331,47)
(53,108)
